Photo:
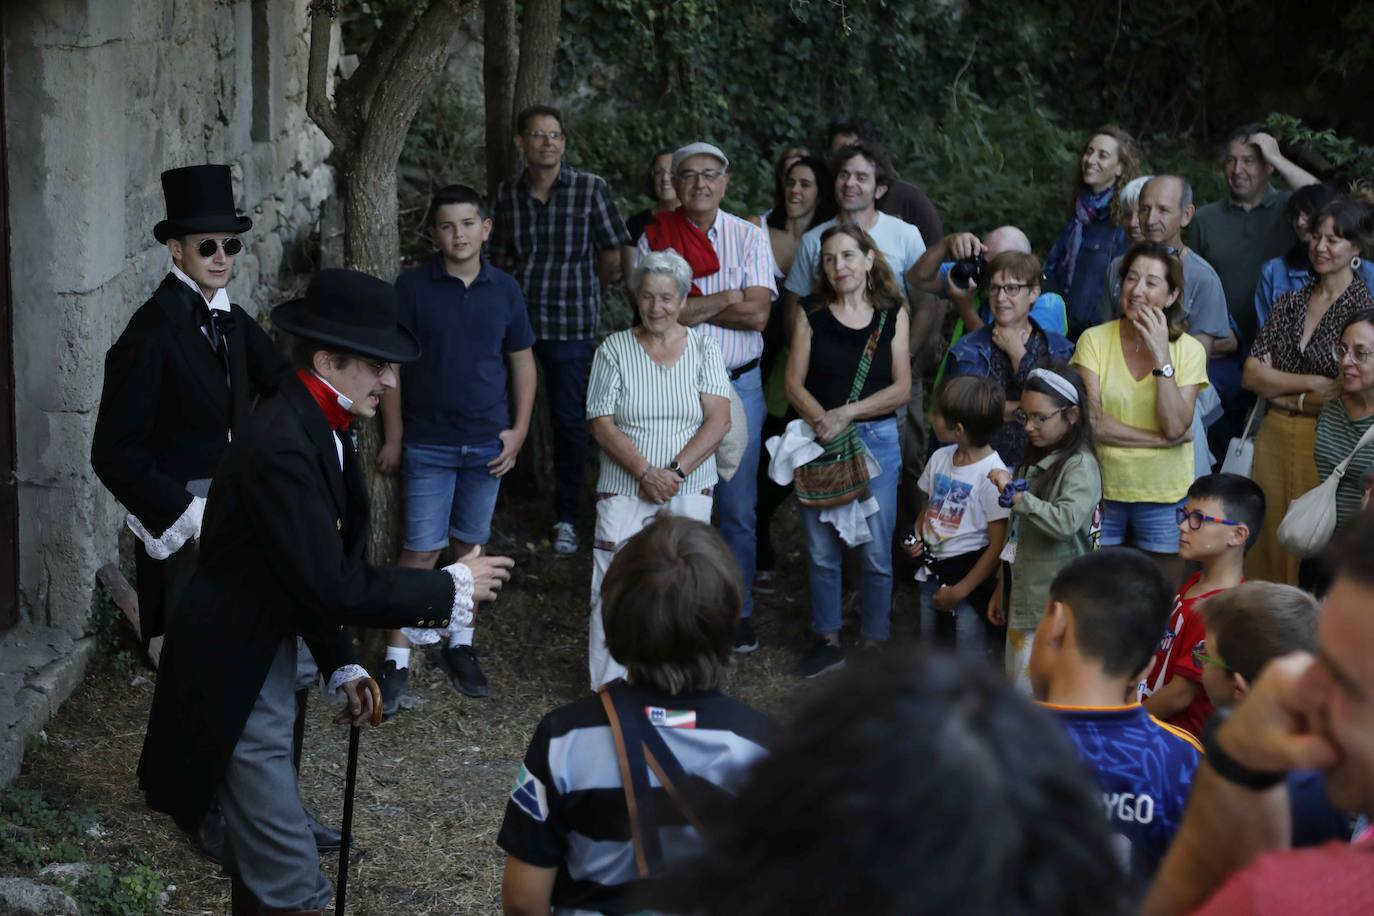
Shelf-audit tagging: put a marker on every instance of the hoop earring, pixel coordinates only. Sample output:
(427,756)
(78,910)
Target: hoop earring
(1355,263)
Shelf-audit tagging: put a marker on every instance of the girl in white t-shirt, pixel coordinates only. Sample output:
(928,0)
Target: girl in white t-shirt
(959,534)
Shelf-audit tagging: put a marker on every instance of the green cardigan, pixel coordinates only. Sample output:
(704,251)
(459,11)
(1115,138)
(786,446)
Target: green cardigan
(1050,531)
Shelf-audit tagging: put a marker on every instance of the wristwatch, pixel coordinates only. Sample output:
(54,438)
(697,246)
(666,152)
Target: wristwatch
(1165,371)
(677,469)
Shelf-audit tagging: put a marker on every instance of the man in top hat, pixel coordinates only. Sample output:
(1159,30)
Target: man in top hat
(179,382)
(282,556)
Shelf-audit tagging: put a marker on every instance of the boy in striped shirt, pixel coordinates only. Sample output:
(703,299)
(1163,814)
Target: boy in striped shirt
(1097,637)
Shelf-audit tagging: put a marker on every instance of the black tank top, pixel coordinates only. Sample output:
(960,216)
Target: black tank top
(835,353)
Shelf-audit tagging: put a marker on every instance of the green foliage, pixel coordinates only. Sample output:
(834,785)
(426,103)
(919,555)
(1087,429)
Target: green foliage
(1351,159)
(114,638)
(983,109)
(131,892)
(34,833)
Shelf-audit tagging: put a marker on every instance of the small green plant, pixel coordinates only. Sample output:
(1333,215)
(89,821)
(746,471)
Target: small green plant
(134,891)
(34,834)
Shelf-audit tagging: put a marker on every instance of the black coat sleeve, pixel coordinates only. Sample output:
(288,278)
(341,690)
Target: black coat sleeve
(134,369)
(286,502)
(266,364)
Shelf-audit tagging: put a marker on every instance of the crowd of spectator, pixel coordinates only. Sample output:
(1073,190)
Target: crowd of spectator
(1113,442)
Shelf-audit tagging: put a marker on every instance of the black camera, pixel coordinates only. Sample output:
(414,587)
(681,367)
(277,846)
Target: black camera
(968,270)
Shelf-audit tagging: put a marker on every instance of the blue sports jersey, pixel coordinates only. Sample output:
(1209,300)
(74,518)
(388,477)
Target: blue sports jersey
(1145,768)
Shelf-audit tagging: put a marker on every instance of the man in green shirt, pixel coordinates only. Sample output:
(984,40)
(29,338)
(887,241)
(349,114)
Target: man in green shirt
(1237,235)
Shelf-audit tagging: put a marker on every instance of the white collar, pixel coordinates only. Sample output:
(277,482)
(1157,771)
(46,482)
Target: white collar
(219,301)
(344,400)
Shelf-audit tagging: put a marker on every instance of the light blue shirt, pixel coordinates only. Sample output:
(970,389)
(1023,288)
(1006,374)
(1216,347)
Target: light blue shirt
(900,243)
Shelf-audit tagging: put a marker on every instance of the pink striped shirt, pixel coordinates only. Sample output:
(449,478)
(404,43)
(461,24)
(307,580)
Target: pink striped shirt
(746,259)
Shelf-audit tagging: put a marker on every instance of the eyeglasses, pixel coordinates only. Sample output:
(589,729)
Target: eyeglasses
(1011,289)
(1196,518)
(710,176)
(554,135)
(208,247)
(1035,419)
(1359,354)
(1211,661)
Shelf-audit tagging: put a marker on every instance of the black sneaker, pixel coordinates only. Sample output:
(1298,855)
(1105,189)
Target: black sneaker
(393,683)
(824,656)
(745,640)
(464,674)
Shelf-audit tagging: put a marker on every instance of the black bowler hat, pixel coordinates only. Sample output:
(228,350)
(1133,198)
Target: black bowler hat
(352,311)
(200,198)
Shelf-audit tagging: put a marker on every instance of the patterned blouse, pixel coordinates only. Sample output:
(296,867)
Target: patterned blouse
(1279,337)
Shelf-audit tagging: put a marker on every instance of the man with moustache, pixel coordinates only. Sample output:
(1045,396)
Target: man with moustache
(282,557)
(732,292)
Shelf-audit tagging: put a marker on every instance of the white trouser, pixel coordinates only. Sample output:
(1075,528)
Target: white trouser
(618,518)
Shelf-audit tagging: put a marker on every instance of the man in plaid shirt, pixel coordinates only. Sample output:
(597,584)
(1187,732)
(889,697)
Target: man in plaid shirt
(558,233)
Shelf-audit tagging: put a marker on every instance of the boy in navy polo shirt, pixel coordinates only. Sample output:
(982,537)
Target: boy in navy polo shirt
(1098,635)
(449,427)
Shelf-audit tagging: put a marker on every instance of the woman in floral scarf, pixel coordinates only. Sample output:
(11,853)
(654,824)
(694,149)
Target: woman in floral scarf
(1077,264)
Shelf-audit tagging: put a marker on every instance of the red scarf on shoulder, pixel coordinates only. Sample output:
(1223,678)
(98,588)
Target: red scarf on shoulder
(327,398)
(674,230)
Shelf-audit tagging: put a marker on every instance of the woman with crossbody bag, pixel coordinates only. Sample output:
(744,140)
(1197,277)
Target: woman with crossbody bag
(1342,442)
(848,373)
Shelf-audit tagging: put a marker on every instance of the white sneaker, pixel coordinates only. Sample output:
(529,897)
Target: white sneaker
(564,538)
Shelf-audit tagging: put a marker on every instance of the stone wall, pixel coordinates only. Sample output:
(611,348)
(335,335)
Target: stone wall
(101,97)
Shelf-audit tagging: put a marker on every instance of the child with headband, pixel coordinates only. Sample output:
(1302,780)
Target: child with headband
(1055,505)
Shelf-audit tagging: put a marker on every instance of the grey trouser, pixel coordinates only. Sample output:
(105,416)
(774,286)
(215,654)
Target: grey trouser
(267,843)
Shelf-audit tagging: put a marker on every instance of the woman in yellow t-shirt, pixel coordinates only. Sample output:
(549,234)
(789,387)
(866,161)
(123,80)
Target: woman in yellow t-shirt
(1143,373)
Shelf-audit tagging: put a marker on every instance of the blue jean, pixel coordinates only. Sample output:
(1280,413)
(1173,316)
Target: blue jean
(967,632)
(449,494)
(1151,526)
(825,549)
(565,364)
(737,498)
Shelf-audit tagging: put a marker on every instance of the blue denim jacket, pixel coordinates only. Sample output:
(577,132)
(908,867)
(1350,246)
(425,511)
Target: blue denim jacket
(1102,241)
(976,354)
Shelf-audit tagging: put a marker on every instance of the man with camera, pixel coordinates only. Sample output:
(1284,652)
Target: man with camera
(955,268)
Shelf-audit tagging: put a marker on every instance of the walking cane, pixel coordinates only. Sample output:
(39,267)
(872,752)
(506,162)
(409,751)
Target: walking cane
(350,784)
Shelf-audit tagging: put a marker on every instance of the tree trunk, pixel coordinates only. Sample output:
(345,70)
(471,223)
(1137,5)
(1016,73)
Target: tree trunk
(538,46)
(367,124)
(498,76)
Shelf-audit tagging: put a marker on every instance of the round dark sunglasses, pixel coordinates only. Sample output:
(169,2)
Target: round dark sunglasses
(208,247)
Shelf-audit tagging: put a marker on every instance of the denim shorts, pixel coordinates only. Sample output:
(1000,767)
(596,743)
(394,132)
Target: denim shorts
(449,494)
(1145,526)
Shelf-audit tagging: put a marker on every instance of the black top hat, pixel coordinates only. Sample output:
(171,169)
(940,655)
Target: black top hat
(200,198)
(350,310)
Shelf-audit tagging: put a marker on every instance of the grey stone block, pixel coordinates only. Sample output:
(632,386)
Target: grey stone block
(22,897)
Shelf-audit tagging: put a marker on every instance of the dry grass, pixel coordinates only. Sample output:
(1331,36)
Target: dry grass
(433,781)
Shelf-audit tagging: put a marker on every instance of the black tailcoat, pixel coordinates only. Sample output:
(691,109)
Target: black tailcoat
(281,554)
(169,409)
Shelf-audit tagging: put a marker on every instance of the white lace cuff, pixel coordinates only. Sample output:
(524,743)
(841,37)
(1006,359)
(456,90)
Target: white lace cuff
(184,529)
(334,689)
(460,618)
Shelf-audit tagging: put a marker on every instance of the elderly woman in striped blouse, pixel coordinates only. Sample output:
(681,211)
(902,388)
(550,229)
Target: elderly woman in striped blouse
(658,404)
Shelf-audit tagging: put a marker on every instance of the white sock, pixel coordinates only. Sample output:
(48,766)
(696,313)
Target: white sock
(399,655)
(463,638)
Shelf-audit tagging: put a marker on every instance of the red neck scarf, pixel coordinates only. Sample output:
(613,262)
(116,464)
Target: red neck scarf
(327,398)
(674,230)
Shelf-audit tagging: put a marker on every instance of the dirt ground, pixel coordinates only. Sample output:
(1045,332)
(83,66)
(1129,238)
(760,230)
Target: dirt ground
(433,781)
